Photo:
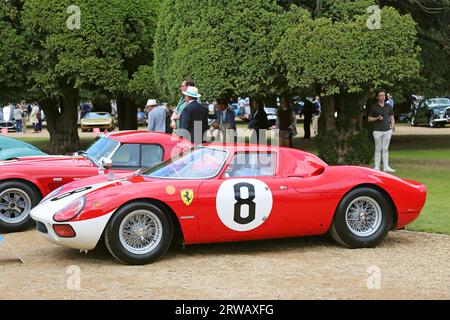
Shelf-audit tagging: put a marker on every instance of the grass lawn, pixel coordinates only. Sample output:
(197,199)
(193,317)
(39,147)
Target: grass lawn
(421,158)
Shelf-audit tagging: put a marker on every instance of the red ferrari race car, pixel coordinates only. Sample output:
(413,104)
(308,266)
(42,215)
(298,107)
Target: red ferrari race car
(25,181)
(228,193)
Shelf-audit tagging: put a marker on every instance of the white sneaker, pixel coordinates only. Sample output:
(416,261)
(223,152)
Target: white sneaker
(389,170)
(378,169)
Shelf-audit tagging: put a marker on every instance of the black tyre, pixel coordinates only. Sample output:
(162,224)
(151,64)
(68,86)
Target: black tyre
(413,121)
(139,233)
(16,201)
(362,219)
(431,122)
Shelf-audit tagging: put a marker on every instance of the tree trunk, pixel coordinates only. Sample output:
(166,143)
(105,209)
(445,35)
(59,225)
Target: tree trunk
(344,139)
(61,117)
(127,114)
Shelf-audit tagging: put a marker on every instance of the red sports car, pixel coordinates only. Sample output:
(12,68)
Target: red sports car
(228,193)
(25,181)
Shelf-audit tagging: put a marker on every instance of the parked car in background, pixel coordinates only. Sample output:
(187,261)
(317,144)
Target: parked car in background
(25,181)
(101,120)
(434,112)
(12,148)
(7,118)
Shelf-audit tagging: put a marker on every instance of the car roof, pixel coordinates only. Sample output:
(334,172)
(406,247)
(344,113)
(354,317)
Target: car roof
(142,136)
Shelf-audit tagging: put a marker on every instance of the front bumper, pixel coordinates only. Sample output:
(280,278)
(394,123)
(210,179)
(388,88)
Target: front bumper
(88,232)
(93,126)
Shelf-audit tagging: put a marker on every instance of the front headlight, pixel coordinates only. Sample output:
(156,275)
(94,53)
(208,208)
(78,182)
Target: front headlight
(71,211)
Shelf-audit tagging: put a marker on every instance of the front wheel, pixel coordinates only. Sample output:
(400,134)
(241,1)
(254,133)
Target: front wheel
(16,201)
(139,233)
(431,122)
(362,219)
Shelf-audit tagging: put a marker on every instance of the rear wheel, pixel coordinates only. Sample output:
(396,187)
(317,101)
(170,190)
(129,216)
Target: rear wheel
(139,233)
(362,219)
(16,201)
(413,121)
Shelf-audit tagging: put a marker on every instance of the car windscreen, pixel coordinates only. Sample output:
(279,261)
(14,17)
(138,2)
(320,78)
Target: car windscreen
(198,163)
(433,103)
(102,148)
(97,116)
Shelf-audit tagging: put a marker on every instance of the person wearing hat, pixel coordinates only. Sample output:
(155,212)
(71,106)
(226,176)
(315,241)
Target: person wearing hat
(156,117)
(194,118)
(175,118)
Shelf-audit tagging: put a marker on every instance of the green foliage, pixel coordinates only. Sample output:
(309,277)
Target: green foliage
(102,53)
(12,50)
(224,45)
(348,56)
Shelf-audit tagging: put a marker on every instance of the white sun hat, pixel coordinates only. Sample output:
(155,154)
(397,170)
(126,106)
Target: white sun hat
(192,92)
(151,102)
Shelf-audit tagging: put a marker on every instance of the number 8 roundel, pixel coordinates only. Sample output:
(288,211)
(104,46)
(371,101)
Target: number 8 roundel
(244,204)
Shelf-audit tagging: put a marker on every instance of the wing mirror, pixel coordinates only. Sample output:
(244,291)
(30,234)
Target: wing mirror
(106,163)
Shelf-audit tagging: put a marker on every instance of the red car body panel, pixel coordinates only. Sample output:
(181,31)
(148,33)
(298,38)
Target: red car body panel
(306,193)
(42,170)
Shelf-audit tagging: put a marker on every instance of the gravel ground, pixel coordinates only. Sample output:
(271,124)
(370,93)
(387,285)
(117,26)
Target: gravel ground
(411,266)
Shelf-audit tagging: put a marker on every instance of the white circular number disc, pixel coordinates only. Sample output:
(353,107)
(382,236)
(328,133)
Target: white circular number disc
(234,208)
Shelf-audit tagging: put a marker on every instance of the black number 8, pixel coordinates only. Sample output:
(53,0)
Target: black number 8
(240,202)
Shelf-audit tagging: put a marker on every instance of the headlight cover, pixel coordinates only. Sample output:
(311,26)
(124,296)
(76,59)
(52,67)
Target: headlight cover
(71,211)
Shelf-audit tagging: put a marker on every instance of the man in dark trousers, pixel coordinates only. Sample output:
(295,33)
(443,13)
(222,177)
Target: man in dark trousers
(258,122)
(307,112)
(194,118)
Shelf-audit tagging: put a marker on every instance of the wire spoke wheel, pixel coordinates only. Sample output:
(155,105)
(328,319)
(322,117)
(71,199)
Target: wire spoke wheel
(363,216)
(140,232)
(15,205)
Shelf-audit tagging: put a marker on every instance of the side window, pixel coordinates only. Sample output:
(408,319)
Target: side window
(252,164)
(151,154)
(128,155)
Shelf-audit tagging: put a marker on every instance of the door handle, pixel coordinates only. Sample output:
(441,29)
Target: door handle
(283,188)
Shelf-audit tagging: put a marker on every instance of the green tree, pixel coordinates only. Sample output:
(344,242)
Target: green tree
(100,55)
(225,46)
(432,23)
(345,61)
(12,51)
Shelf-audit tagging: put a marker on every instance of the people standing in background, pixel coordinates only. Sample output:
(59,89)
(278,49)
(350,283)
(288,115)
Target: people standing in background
(258,121)
(34,117)
(316,115)
(382,117)
(156,116)
(18,118)
(24,118)
(225,121)
(307,113)
(176,115)
(194,118)
(390,102)
(286,123)
(40,117)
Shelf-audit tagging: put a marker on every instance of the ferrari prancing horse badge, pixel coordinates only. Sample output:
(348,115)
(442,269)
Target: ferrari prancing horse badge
(187,196)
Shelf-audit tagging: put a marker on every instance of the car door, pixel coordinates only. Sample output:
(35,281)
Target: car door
(245,203)
(422,115)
